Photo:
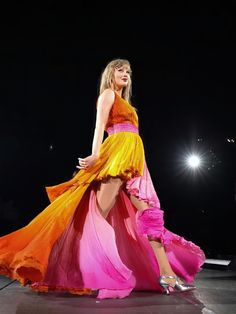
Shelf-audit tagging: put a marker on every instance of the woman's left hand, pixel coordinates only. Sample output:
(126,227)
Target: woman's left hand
(86,162)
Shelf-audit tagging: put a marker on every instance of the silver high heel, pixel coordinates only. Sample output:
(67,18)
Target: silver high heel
(176,287)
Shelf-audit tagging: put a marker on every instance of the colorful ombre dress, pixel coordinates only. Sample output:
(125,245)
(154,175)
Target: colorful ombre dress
(70,247)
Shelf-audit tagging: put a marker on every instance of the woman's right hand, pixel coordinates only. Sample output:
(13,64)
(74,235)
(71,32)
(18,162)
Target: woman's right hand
(85,163)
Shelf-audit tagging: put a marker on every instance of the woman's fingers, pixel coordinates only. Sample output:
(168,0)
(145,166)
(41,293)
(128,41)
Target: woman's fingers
(82,161)
(85,162)
(81,167)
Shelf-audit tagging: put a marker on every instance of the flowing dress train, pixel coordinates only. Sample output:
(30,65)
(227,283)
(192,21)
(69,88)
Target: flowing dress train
(69,246)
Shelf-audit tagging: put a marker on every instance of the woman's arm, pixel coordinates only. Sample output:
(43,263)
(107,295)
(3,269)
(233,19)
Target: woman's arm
(104,104)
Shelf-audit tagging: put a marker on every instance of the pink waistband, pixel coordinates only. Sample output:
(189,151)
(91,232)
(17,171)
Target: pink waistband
(122,127)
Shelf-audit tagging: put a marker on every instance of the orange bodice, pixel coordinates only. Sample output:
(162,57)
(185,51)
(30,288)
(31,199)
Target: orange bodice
(122,112)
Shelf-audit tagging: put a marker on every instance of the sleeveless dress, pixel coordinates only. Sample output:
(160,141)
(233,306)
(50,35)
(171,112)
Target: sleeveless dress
(70,247)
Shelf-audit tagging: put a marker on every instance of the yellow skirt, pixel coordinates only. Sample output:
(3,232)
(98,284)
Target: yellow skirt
(121,154)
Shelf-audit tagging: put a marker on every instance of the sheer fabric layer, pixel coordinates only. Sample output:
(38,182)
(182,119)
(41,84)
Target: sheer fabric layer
(91,253)
(70,247)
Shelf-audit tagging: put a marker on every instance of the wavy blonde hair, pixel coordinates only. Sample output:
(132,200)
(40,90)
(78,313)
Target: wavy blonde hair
(107,78)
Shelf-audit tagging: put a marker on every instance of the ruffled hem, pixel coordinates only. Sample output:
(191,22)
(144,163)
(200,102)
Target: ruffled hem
(173,243)
(125,175)
(142,188)
(25,270)
(178,248)
(182,254)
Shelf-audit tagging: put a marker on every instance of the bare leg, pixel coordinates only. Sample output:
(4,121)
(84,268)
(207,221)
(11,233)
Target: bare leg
(107,194)
(158,248)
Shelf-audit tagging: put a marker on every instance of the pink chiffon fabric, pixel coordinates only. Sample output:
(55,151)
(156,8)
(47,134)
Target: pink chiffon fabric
(110,255)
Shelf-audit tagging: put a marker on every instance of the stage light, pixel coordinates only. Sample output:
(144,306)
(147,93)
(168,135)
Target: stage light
(193,161)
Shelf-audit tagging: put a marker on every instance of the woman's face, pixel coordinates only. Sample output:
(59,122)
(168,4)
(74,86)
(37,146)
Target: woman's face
(122,76)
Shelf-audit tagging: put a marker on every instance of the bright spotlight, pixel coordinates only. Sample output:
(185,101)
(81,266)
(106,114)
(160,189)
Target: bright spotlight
(193,161)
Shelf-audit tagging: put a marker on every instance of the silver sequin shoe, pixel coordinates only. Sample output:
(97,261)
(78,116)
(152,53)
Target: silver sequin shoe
(181,287)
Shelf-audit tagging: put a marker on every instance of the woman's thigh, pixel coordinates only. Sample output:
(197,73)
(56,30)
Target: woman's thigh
(107,193)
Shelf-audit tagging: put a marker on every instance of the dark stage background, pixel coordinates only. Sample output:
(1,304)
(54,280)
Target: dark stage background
(183,62)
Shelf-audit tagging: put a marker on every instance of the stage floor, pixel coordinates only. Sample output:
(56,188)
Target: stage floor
(216,293)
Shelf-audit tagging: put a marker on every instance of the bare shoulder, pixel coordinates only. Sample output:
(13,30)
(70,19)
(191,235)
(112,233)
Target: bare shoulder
(106,98)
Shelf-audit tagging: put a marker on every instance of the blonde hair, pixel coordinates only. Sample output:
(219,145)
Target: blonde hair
(107,78)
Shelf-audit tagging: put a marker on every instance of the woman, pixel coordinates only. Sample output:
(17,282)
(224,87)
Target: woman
(104,229)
